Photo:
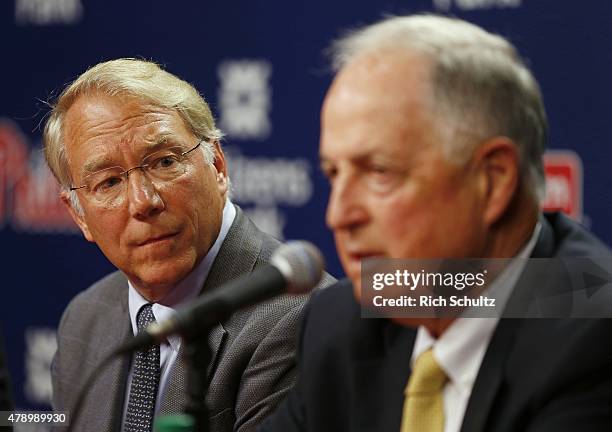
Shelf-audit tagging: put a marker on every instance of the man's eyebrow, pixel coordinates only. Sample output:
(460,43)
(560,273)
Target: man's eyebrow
(96,164)
(159,141)
(358,159)
(156,143)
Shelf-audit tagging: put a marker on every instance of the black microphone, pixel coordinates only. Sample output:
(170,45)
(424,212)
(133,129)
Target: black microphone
(295,268)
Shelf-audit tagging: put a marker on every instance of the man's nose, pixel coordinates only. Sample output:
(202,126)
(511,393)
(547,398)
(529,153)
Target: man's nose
(346,207)
(144,199)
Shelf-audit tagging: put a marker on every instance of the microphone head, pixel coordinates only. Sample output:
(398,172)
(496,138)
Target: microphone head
(301,263)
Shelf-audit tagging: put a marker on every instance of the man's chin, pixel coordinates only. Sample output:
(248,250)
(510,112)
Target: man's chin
(156,282)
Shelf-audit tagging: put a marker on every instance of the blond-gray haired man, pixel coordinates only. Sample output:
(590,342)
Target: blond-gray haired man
(432,136)
(137,154)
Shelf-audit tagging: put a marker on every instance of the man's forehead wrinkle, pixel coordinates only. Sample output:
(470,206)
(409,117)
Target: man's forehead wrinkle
(127,130)
(106,155)
(103,131)
(148,117)
(104,112)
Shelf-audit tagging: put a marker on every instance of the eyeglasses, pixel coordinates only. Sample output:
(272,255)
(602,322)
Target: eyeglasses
(108,186)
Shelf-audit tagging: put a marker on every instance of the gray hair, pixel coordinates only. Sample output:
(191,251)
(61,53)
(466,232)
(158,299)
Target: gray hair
(480,85)
(141,79)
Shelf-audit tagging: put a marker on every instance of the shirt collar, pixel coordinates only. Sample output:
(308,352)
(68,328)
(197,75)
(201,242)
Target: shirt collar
(188,288)
(461,348)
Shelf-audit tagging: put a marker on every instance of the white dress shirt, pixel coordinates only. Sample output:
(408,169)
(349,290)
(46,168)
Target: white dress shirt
(186,290)
(462,346)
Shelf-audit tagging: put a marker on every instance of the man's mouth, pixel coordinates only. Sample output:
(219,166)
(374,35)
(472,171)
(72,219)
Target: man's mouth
(157,239)
(362,255)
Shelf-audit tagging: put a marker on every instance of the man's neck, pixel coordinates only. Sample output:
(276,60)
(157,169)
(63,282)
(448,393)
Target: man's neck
(509,235)
(505,240)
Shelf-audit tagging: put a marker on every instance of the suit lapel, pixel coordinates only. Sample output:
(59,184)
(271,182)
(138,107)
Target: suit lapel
(524,293)
(243,240)
(490,376)
(110,386)
(380,377)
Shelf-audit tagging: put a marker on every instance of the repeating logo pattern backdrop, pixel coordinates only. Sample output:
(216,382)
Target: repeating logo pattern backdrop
(261,66)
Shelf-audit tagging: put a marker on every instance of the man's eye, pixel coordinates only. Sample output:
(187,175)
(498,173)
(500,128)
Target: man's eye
(164,162)
(387,171)
(380,173)
(329,172)
(380,170)
(107,184)
(383,178)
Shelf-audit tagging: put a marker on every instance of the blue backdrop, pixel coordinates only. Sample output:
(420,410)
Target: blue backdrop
(261,66)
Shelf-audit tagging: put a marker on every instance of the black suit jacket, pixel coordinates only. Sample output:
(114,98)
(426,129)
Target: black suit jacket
(537,374)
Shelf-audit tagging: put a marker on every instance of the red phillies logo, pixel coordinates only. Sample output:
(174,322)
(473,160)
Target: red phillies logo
(29,199)
(563,169)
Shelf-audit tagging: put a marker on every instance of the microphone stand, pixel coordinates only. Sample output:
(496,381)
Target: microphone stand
(200,356)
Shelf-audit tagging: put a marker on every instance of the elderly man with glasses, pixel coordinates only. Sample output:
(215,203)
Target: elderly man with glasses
(137,154)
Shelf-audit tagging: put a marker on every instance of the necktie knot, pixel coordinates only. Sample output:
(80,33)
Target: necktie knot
(145,317)
(427,376)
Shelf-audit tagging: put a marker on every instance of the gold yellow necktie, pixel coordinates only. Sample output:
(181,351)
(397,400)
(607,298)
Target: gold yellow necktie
(423,403)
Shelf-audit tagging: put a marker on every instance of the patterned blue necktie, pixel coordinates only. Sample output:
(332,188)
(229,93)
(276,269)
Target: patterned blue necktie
(145,381)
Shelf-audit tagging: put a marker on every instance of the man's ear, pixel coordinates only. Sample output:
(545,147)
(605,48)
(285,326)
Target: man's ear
(221,167)
(498,160)
(76,217)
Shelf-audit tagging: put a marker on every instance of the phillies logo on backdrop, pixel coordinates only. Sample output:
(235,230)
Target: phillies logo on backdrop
(29,194)
(563,170)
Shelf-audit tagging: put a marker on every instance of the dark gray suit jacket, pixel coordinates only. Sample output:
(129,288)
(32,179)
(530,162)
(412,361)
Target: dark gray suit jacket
(253,363)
